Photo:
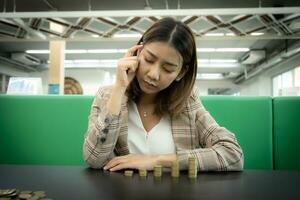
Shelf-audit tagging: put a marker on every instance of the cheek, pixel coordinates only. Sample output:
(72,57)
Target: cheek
(167,79)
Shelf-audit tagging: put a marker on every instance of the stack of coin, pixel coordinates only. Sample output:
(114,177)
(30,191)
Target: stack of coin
(157,171)
(175,169)
(143,172)
(25,195)
(128,173)
(39,194)
(192,167)
(8,194)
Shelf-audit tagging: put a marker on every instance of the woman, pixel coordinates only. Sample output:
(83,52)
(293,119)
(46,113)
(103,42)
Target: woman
(152,115)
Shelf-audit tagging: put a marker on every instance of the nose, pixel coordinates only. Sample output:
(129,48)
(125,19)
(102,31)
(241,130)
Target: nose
(154,72)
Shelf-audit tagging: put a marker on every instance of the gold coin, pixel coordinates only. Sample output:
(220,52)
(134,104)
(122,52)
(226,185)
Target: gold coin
(128,172)
(24,195)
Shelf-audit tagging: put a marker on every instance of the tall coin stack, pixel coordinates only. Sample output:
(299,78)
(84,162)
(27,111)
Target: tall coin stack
(157,171)
(192,167)
(128,173)
(175,169)
(143,173)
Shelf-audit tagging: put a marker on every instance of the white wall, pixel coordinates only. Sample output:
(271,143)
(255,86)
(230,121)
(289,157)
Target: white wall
(203,85)
(261,85)
(90,79)
(11,71)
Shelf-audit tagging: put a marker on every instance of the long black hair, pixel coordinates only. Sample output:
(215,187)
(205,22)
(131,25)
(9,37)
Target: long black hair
(178,35)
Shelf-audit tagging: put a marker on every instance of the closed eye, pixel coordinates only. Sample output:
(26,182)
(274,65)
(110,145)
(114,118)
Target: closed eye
(149,61)
(169,71)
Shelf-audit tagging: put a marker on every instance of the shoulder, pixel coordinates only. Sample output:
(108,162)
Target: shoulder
(104,91)
(193,102)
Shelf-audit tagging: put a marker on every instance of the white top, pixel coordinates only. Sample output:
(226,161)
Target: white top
(158,140)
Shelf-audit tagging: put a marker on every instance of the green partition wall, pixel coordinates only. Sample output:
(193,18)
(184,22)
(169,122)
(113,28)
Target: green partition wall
(287,133)
(43,129)
(250,119)
(50,129)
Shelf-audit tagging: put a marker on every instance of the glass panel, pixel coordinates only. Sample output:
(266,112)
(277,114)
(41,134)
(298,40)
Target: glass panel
(287,79)
(297,77)
(276,85)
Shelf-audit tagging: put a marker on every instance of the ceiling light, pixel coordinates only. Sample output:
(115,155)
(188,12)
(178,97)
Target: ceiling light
(230,34)
(210,76)
(217,61)
(232,49)
(218,65)
(127,35)
(223,49)
(107,50)
(214,34)
(85,63)
(38,51)
(75,51)
(256,34)
(206,49)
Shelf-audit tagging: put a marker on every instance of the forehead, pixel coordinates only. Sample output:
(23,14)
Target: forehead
(164,51)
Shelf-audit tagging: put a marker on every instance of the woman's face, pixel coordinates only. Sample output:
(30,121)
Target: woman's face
(159,66)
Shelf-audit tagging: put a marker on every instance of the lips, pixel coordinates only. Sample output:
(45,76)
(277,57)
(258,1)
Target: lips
(150,84)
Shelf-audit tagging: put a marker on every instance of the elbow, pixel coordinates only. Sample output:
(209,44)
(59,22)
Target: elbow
(94,165)
(238,163)
(93,161)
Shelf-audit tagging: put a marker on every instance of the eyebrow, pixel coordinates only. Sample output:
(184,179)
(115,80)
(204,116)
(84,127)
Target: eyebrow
(167,62)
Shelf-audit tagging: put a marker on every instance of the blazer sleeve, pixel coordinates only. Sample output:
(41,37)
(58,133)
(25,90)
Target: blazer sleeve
(102,134)
(219,150)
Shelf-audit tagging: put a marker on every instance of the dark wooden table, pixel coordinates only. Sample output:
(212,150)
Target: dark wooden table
(70,183)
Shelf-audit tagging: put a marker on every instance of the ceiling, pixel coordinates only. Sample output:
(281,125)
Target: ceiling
(234,38)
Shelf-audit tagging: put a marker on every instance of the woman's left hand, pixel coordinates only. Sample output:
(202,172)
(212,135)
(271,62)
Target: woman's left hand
(131,161)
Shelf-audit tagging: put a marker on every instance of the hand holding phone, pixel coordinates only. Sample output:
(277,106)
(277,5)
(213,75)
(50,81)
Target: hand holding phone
(127,66)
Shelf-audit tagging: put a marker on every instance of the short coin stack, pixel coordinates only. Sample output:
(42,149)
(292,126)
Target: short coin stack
(192,167)
(128,173)
(8,194)
(143,172)
(175,169)
(157,171)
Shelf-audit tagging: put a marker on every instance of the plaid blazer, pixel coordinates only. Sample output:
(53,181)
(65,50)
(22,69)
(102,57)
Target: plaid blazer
(195,134)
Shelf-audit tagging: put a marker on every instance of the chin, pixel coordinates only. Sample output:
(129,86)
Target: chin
(148,90)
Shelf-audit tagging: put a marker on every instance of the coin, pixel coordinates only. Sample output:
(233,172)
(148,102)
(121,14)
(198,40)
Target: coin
(24,195)
(128,173)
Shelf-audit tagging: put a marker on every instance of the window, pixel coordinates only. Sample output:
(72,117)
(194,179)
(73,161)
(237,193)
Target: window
(276,85)
(287,83)
(287,79)
(297,77)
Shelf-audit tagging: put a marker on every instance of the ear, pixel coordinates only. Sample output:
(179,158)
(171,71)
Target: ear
(182,72)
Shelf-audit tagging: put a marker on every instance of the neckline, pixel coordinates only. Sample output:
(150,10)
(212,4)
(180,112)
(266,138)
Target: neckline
(141,122)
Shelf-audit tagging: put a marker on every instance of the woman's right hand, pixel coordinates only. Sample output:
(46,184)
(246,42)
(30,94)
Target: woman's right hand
(127,67)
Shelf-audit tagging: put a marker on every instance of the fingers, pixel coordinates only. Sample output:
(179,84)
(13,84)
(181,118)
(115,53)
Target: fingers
(132,50)
(120,166)
(115,161)
(129,64)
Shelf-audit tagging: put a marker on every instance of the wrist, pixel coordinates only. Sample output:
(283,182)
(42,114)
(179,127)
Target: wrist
(165,160)
(118,89)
